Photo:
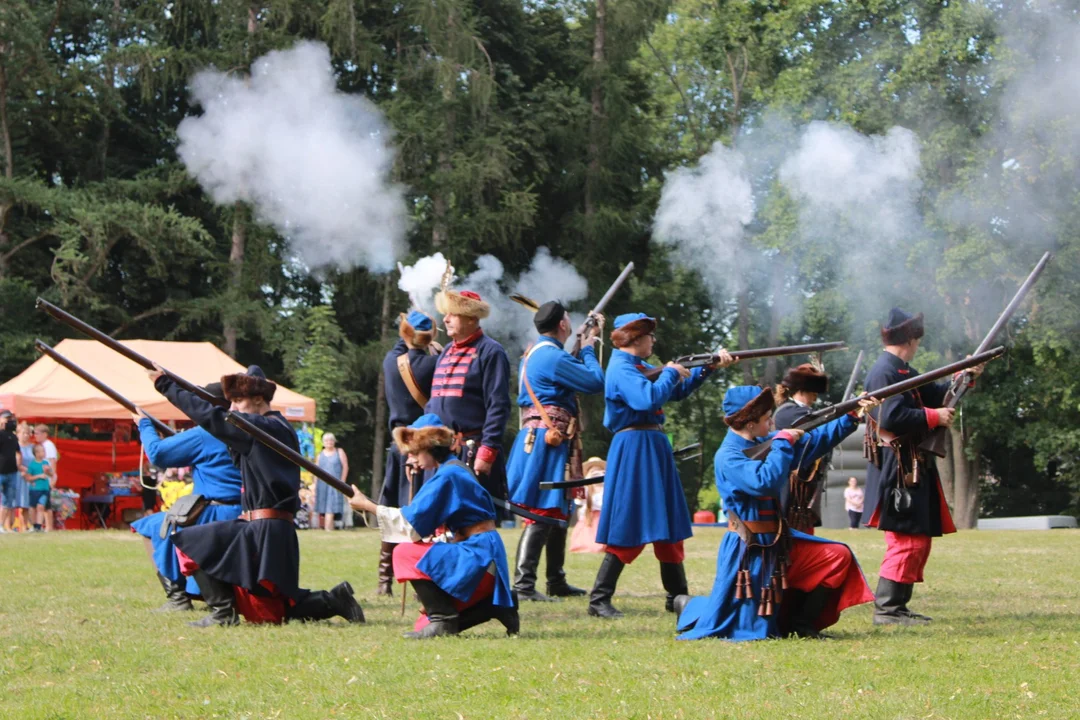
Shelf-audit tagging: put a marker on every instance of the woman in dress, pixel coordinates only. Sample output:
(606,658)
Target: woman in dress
(328,501)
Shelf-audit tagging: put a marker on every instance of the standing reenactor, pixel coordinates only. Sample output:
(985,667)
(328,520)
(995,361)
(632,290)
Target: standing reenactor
(250,566)
(548,448)
(470,391)
(795,397)
(643,497)
(407,369)
(903,491)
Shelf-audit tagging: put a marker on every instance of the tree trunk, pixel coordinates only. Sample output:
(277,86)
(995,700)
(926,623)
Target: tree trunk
(9,159)
(965,484)
(774,322)
(744,333)
(596,116)
(378,453)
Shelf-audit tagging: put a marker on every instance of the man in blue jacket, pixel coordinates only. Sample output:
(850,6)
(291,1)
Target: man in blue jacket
(548,448)
(214,476)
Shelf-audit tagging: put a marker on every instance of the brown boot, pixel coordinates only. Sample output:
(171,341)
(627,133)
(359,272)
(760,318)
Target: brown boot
(386,570)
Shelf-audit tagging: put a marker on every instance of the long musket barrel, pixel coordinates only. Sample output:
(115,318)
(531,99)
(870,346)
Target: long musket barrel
(599,308)
(702,359)
(92,332)
(827,414)
(115,396)
(935,442)
(288,453)
(849,391)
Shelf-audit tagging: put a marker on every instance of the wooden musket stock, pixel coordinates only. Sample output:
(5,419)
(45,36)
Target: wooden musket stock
(115,396)
(589,322)
(849,391)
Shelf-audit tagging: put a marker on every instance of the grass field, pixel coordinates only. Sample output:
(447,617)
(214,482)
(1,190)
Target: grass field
(78,640)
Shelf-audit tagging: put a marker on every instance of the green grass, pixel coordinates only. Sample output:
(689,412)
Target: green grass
(77,639)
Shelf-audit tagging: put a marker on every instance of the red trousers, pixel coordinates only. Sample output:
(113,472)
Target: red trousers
(254,608)
(905,557)
(664,552)
(830,565)
(407,555)
(546,512)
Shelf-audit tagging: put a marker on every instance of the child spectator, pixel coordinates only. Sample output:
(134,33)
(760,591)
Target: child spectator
(853,502)
(39,473)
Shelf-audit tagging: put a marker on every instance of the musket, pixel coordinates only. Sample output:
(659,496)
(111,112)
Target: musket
(819,417)
(91,331)
(703,359)
(681,455)
(590,323)
(936,440)
(504,502)
(239,421)
(115,396)
(849,391)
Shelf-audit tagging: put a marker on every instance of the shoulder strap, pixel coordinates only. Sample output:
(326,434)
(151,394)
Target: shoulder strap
(544,417)
(405,370)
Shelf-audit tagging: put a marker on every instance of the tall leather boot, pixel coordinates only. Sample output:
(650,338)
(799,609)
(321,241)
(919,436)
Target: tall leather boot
(807,607)
(386,569)
(486,610)
(219,597)
(325,604)
(909,588)
(177,599)
(889,604)
(673,577)
(556,558)
(531,544)
(440,609)
(604,588)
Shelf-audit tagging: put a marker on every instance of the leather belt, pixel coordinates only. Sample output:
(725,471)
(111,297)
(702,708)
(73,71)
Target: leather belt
(640,427)
(745,528)
(475,529)
(266,514)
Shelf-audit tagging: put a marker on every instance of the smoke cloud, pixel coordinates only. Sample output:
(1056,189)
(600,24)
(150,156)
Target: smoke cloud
(312,161)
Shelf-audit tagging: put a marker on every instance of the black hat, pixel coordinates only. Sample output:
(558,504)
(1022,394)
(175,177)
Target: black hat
(214,389)
(549,316)
(901,327)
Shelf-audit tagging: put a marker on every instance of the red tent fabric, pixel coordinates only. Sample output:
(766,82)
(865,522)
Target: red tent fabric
(81,461)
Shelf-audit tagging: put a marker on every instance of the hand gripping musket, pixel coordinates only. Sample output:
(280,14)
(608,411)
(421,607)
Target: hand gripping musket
(590,323)
(91,331)
(703,359)
(817,418)
(936,440)
(849,391)
(112,394)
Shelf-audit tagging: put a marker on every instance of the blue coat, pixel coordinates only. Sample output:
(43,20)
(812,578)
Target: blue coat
(643,497)
(452,497)
(213,475)
(753,490)
(555,377)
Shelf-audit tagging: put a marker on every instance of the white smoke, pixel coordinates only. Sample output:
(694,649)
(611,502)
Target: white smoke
(313,162)
(422,279)
(703,213)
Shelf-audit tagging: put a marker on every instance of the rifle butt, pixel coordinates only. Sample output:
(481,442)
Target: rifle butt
(936,442)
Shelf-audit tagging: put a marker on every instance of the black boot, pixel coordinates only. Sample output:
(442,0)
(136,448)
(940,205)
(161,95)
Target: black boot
(219,597)
(486,610)
(805,610)
(178,600)
(909,588)
(679,604)
(531,544)
(604,588)
(556,558)
(440,609)
(325,604)
(386,570)
(889,604)
(673,577)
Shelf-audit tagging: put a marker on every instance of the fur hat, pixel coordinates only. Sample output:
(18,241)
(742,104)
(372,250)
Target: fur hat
(630,327)
(416,329)
(807,378)
(901,327)
(466,302)
(252,383)
(427,432)
(746,404)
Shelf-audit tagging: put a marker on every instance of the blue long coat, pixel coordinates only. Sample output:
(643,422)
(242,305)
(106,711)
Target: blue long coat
(213,475)
(452,497)
(753,489)
(643,497)
(555,376)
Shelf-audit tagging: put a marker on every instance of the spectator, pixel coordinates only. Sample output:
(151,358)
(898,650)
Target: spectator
(10,460)
(853,502)
(583,538)
(40,475)
(21,501)
(149,493)
(329,503)
(41,437)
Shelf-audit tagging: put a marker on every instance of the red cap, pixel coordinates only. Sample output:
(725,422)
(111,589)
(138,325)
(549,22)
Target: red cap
(469,294)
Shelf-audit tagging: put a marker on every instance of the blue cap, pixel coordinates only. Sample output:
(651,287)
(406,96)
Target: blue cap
(628,318)
(738,397)
(419,321)
(429,420)
(255,371)
(897,316)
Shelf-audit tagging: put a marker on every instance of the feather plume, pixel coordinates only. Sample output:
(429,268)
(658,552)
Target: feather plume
(527,302)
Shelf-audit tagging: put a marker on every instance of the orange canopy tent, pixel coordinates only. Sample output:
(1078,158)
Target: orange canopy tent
(46,391)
